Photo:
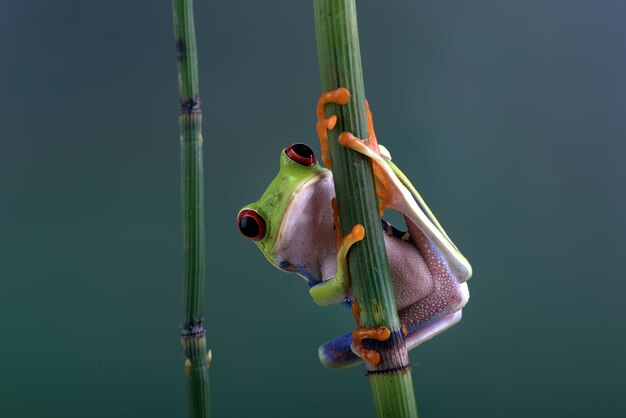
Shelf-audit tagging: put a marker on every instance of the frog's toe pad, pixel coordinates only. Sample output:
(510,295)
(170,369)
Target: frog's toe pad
(370,356)
(361,333)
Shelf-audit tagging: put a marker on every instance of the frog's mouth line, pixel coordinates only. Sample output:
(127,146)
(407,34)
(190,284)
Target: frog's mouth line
(311,181)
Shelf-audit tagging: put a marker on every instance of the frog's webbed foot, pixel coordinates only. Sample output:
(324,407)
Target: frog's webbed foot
(335,289)
(362,333)
(339,96)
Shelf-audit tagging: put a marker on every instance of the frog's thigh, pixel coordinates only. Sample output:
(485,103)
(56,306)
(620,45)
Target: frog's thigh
(337,354)
(415,338)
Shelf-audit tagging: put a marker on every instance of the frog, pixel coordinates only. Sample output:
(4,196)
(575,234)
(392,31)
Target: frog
(295,225)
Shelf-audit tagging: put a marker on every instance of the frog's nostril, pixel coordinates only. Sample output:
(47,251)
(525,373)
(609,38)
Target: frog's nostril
(301,154)
(251,224)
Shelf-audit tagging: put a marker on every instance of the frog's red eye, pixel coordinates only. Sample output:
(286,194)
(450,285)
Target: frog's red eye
(301,153)
(251,224)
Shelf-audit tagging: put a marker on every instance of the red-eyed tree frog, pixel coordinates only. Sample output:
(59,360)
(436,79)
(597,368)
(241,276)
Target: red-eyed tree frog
(295,226)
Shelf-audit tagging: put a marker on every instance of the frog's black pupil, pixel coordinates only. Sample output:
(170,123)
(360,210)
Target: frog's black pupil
(303,150)
(301,154)
(249,226)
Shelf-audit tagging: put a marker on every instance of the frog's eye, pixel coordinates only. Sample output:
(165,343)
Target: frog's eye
(301,153)
(251,224)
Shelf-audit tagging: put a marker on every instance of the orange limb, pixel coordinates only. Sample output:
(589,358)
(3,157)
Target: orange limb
(361,333)
(373,142)
(339,96)
(369,147)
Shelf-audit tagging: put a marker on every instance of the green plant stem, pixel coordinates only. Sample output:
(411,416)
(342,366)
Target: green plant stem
(192,203)
(340,66)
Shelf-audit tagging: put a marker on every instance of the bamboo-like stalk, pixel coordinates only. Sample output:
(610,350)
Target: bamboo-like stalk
(192,204)
(340,66)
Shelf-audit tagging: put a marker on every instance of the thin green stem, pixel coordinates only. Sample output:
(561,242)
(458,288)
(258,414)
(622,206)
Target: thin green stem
(340,66)
(192,204)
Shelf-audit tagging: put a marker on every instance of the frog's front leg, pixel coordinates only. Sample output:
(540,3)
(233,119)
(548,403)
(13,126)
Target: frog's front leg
(417,334)
(335,290)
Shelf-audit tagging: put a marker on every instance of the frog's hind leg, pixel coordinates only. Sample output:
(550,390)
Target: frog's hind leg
(417,335)
(337,354)
(441,308)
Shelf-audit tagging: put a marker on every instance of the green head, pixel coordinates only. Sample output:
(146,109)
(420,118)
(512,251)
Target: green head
(261,221)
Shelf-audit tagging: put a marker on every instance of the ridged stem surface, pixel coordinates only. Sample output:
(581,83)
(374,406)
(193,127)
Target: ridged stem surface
(196,363)
(340,66)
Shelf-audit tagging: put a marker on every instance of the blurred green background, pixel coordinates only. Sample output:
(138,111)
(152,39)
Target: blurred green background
(508,116)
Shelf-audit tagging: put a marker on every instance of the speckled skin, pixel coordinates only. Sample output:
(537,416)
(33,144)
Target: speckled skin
(428,297)
(294,220)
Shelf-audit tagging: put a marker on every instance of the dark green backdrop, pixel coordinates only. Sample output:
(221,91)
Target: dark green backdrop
(509,116)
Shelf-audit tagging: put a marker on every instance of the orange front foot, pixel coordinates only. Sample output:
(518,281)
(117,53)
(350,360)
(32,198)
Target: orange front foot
(339,96)
(361,333)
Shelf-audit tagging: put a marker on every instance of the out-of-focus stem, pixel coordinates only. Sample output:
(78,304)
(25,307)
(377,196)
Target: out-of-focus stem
(192,203)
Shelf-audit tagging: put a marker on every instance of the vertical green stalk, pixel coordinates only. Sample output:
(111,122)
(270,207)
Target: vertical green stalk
(192,202)
(340,66)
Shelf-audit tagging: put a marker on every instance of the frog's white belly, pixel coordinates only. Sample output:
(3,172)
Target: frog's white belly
(424,287)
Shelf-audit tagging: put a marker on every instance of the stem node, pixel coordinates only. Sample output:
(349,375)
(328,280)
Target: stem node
(192,208)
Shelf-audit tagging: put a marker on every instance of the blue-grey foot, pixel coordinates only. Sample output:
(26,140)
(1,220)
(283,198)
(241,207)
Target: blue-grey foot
(337,354)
